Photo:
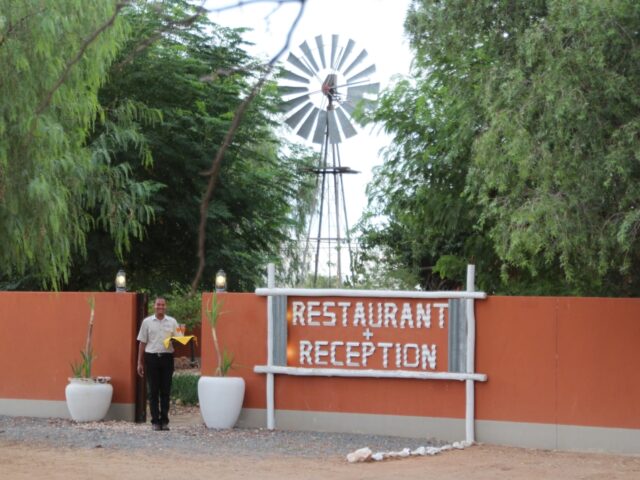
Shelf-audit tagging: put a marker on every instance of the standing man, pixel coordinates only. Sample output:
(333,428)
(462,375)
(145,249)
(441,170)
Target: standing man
(157,361)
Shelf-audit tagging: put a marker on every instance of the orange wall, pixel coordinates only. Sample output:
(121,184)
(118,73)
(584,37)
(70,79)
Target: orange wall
(242,331)
(598,377)
(43,334)
(548,359)
(516,348)
(571,361)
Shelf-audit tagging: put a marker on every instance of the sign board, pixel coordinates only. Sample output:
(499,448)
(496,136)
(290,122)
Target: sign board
(372,333)
(384,334)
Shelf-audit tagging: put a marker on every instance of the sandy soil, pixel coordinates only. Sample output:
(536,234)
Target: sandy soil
(28,458)
(22,461)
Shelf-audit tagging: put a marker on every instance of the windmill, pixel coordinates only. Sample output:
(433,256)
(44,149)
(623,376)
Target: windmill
(321,87)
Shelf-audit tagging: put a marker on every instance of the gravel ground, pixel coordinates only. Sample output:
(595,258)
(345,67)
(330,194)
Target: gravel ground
(194,438)
(58,449)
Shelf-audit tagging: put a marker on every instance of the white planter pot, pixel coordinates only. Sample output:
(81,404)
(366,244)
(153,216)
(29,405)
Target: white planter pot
(220,400)
(88,400)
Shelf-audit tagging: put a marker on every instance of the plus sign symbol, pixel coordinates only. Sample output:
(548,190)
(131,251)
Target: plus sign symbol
(367,334)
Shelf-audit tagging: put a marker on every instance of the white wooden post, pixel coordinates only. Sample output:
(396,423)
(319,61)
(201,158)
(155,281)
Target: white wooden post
(271,415)
(471,352)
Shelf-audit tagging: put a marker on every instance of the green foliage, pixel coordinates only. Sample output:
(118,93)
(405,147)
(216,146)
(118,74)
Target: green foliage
(194,78)
(184,305)
(227,363)
(184,388)
(213,310)
(55,186)
(451,267)
(557,167)
(515,148)
(82,369)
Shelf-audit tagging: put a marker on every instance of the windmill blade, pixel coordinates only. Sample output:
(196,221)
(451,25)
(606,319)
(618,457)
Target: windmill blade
(347,128)
(361,56)
(297,117)
(321,127)
(334,133)
(304,46)
(293,103)
(320,45)
(293,76)
(293,60)
(346,53)
(349,107)
(305,129)
(357,92)
(363,103)
(363,74)
(321,114)
(287,90)
(334,49)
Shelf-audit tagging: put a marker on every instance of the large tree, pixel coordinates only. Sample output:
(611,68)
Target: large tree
(515,147)
(54,187)
(196,76)
(557,168)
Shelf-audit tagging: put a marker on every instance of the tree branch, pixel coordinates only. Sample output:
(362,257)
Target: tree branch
(235,123)
(149,41)
(14,26)
(83,48)
(244,3)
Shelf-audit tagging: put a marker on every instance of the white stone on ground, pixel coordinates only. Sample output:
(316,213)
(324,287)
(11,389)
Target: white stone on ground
(360,455)
(365,454)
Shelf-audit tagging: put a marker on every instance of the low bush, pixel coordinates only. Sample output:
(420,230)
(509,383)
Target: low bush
(184,389)
(183,306)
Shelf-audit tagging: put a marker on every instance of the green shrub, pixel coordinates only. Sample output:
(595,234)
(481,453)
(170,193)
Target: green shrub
(182,305)
(185,388)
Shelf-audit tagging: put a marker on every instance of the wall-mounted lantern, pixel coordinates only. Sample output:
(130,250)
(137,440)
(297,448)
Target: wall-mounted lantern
(121,281)
(221,281)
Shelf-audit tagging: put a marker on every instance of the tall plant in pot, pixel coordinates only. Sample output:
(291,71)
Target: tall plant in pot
(220,396)
(88,398)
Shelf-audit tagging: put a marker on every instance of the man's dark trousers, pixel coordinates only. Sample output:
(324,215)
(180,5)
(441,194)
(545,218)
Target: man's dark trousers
(159,372)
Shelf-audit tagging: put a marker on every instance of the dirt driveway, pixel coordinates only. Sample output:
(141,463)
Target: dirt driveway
(57,449)
(34,461)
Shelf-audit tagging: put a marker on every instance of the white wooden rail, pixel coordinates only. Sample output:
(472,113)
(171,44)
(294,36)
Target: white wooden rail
(338,292)
(345,372)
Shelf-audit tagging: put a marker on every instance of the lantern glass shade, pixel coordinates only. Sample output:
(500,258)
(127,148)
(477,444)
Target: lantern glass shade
(221,281)
(121,281)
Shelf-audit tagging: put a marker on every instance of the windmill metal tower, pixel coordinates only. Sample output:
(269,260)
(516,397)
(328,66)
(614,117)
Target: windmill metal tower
(321,86)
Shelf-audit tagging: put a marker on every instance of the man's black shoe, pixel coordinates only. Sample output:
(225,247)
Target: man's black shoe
(165,427)
(156,427)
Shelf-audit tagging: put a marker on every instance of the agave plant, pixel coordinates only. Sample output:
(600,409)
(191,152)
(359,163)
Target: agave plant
(225,359)
(82,369)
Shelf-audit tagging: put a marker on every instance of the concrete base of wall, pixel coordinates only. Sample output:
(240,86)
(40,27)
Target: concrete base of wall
(58,409)
(516,434)
(559,437)
(448,429)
